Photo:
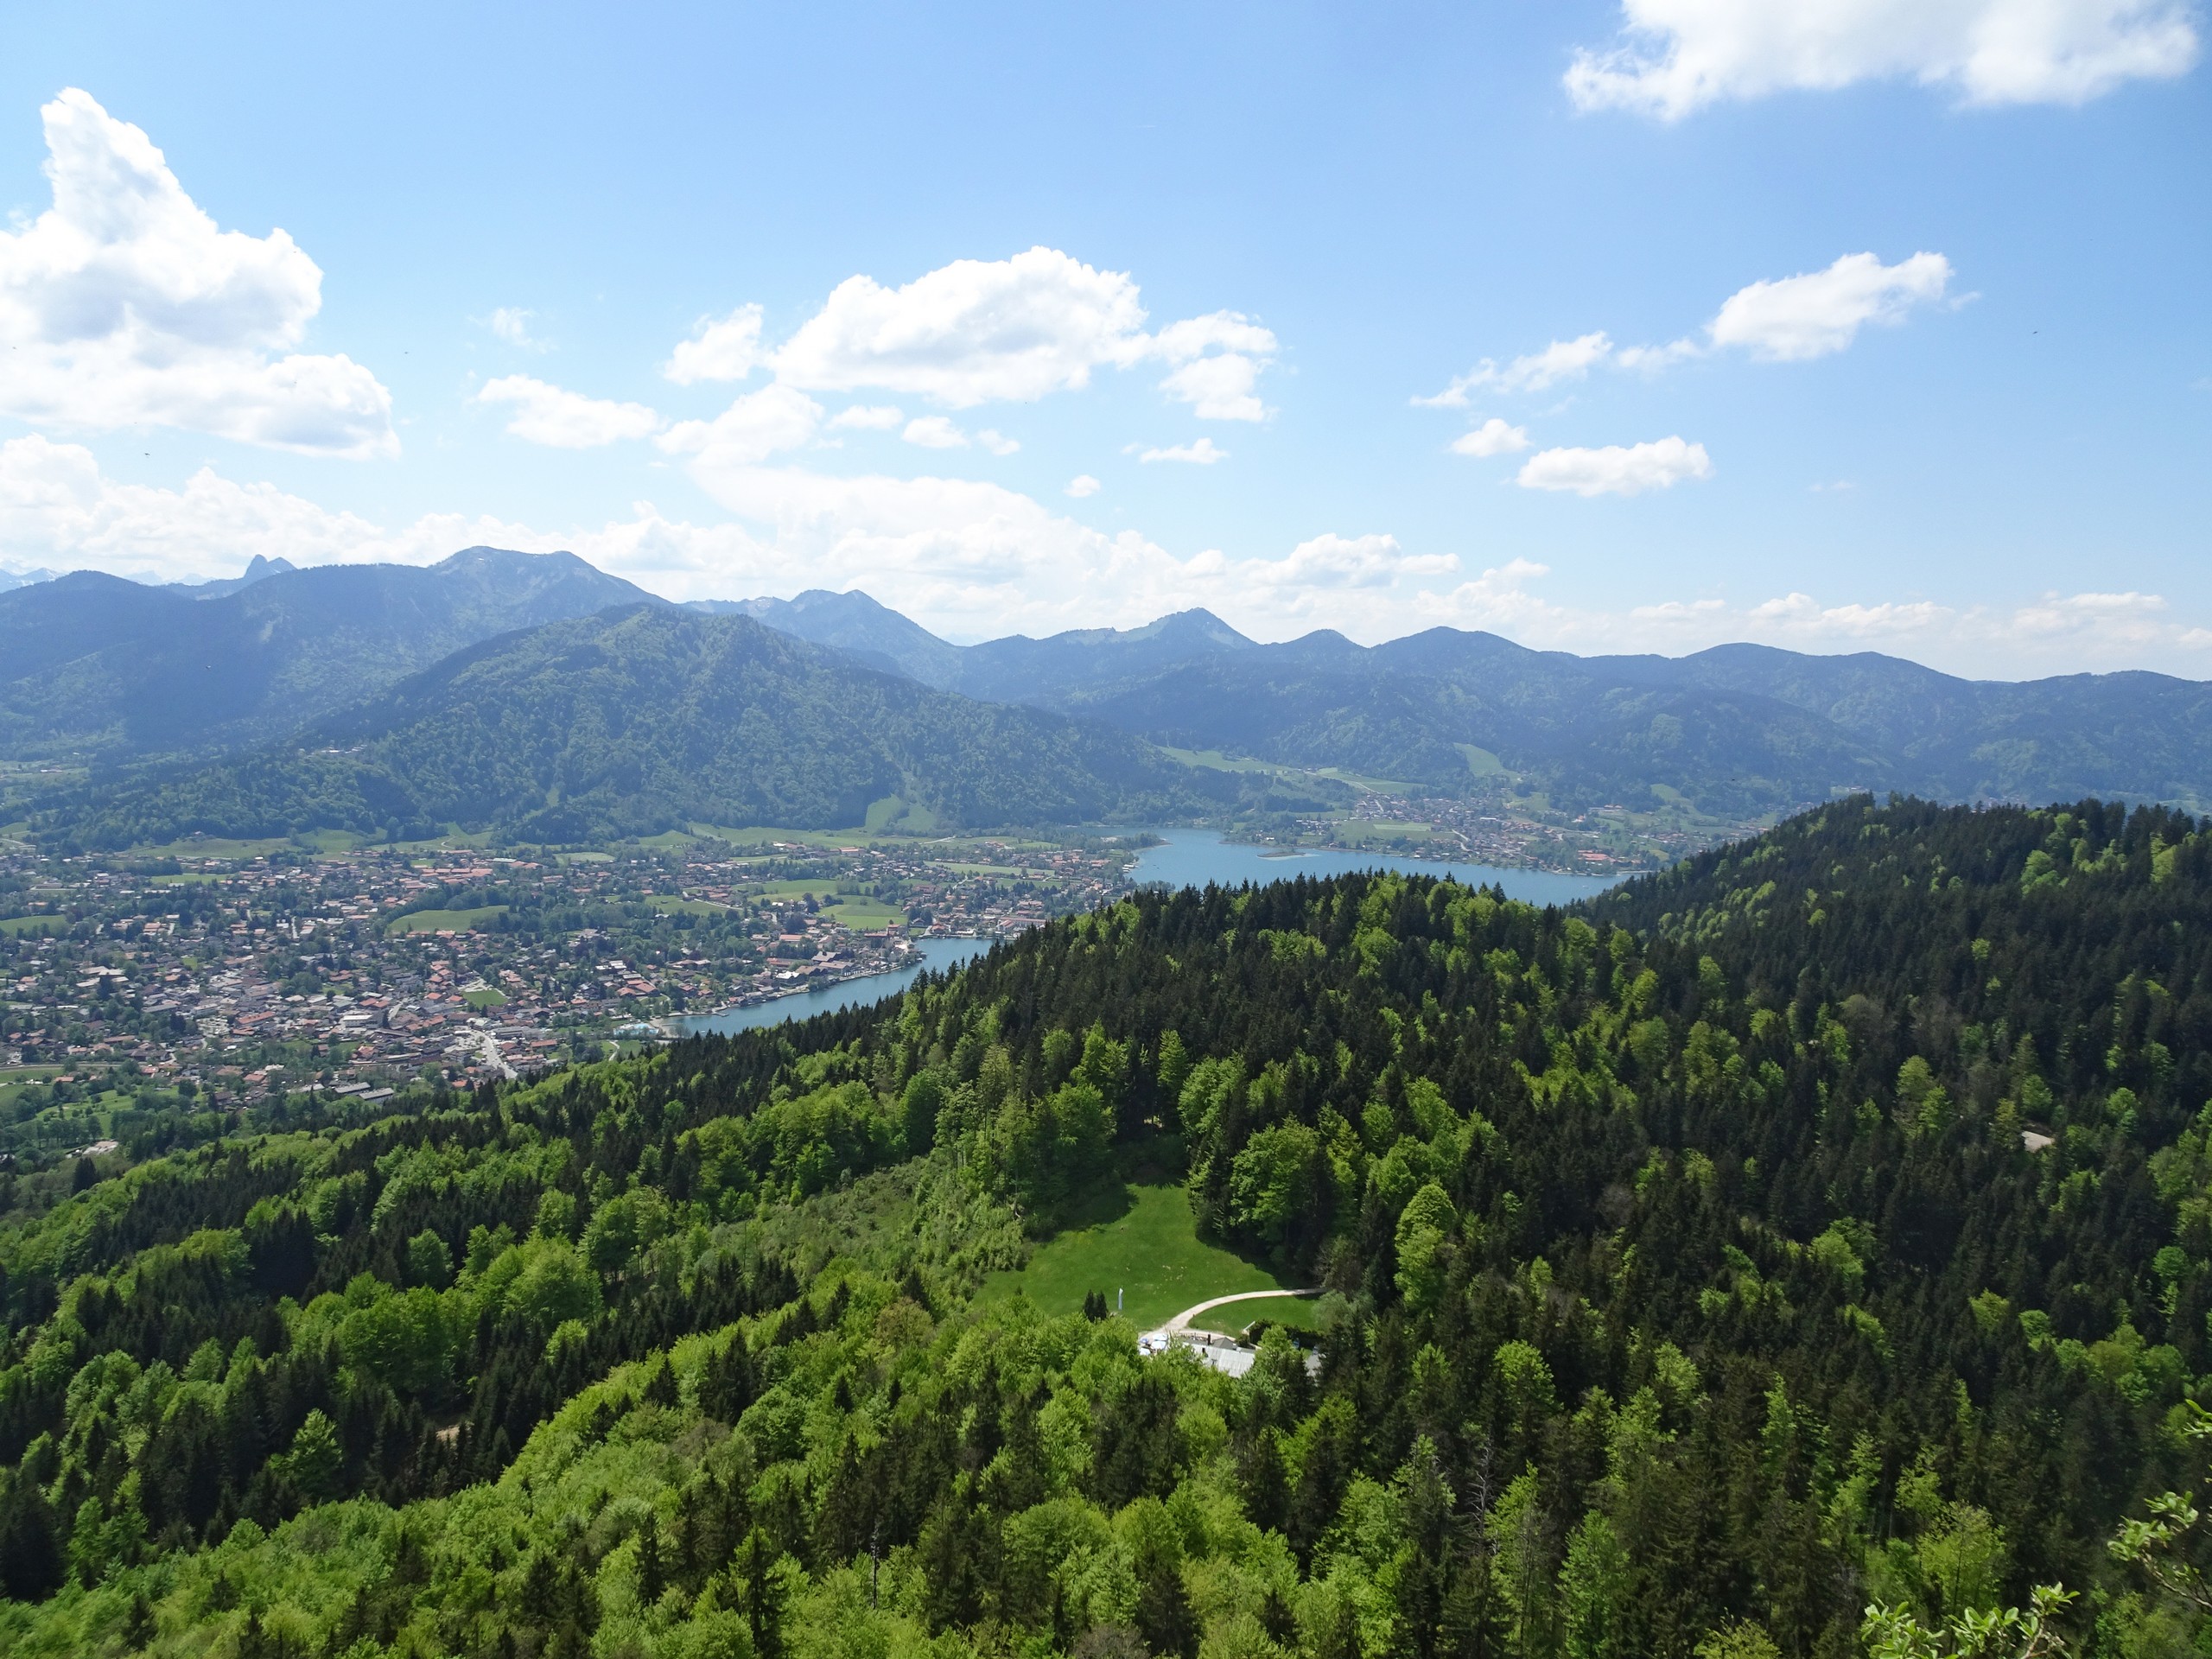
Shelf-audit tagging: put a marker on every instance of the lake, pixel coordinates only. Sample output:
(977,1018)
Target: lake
(933,955)
(1183,858)
(1191,858)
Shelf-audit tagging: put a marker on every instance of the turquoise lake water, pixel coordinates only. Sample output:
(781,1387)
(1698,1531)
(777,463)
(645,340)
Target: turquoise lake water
(1183,858)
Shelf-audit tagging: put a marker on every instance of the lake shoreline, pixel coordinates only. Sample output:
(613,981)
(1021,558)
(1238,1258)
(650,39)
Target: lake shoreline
(1169,857)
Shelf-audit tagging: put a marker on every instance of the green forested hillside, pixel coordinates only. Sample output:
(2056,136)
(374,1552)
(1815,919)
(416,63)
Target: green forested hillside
(95,665)
(1692,1288)
(1736,728)
(638,721)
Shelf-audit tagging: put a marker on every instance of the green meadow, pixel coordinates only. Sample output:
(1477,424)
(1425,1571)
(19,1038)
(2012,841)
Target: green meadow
(433,921)
(1150,1251)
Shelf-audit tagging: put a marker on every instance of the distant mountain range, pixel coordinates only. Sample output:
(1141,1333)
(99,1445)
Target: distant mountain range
(1738,728)
(536,692)
(95,666)
(644,718)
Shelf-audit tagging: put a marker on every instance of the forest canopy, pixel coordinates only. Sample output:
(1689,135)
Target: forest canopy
(1824,1224)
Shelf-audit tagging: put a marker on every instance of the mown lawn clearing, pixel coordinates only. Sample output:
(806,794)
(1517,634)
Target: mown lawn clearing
(1300,1312)
(1151,1253)
(433,921)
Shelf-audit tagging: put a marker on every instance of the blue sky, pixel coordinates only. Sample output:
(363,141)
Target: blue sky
(1902,340)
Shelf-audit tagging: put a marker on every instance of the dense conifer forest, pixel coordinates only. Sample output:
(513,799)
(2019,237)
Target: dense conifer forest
(1824,1224)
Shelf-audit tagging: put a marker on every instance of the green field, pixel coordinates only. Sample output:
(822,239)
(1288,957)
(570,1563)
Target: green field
(1152,1252)
(35,925)
(1300,1312)
(861,914)
(765,835)
(669,904)
(1215,760)
(1386,828)
(485,998)
(433,921)
(212,847)
(893,812)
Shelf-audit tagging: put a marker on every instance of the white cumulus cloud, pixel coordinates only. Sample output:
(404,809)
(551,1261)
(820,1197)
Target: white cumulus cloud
(1676,56)
(1334,561)
(1082,485)
(973,560)
(1784,319)
(975,331)
(720,348)
(1821,311)
(1218,359)
(754,427)
(1563,359)
(561,419)
(935,432)
(1617,469)
(123,305)
(1493,437)
(869,418)
(1201,453)
(980,331)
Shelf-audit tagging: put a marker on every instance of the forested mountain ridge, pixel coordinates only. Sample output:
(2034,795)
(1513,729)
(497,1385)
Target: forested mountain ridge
(1736,728)
(94,668)
(92,665)
(1692,1289)
(636,721)
(857,625)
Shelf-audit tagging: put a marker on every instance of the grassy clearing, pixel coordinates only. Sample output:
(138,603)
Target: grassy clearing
(669,904)
(433,921)
(485,998)
(861,914)
(19,925)
(212,847)
(761,835)
(1215,760)
(893,812)
(824,889)
(1387,828)
(1151,1251)
(1366,781)
(1299,1312)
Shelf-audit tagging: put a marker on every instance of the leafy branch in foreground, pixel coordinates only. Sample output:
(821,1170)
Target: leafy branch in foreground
(1894,1633)
(2155,1543)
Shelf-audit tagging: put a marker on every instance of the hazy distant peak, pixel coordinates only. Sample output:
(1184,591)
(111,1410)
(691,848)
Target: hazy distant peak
(471,559)
(853,622)
(259,568)
(1200,623)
